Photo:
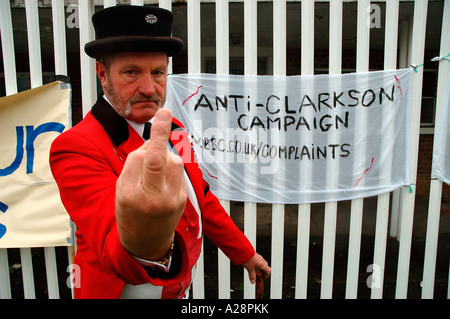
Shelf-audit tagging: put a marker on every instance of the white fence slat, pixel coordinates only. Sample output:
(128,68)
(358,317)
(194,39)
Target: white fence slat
(222,37)
(362,37)
(362,65)
(34,50)
(194,66)
(52,272)
(278,210)
(9,60)
(224,265)
(429,264)
(250,37)
(5,287)
(354,247)
(109,3)
(70,258)
(335,57)
(335,30)
(379,254)
(198,284)
(167,4)
(59,36)
(390,62)
(222,67)
(250,221)
(434,207)
(303,234)
(88,75)
(307,38)
(276,282)
(444,66)
(34,44)
(304,210)
(448,283)
(250,68)
(329,240)
(27,273)
(194,36)
(307,66)
(279,37)
(408,196)
(335,65)
(391,38)
(9,66)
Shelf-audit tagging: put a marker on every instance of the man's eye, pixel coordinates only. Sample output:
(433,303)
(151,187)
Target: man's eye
(130,72)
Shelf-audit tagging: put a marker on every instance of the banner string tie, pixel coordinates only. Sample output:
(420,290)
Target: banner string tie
(411,188)
(416,66)
(447,57)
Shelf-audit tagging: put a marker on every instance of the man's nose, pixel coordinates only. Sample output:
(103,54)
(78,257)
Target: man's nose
(146,85)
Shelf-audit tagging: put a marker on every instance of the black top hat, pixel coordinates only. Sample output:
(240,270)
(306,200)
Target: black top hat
(132,29)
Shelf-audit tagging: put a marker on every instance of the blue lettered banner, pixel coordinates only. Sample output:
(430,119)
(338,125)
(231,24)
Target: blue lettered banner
(297,139)
(31,213)
(440,168)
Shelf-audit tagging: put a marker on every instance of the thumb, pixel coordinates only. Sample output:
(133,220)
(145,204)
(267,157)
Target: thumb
(252,275)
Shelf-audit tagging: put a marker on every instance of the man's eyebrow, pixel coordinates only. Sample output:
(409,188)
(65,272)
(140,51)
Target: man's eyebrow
(129,66)
(161,67)
(135,66)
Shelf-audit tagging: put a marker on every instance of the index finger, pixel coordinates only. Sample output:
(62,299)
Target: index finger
(156,150)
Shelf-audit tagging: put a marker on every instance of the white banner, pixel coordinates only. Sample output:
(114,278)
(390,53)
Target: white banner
(297,139)
(31,212)
(441,150)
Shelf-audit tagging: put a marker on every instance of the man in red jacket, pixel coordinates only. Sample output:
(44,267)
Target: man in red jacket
(140,207)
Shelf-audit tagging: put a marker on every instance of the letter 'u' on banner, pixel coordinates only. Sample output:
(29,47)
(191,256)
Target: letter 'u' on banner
(32,214)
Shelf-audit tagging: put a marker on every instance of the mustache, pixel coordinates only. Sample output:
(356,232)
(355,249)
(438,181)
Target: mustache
(146,98)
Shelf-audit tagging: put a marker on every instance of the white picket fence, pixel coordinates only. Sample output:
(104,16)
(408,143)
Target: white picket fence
(411,50)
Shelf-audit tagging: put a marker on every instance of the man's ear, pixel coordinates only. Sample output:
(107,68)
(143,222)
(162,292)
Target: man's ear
(102,73)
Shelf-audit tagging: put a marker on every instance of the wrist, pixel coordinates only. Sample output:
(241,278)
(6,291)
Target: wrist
(162,264)
(164,260)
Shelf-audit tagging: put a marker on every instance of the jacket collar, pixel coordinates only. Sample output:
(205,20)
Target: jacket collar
(114,125)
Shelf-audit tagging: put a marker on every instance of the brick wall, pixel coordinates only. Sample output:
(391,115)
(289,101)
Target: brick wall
(424,168)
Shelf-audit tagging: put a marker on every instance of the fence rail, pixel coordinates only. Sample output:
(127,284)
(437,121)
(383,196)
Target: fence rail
(408,38)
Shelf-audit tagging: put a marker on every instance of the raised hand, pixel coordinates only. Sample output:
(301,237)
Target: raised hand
(151,194)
